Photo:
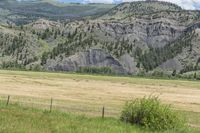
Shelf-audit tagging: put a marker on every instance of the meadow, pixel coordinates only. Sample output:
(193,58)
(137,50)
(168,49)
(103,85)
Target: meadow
(17,119)
(86,94)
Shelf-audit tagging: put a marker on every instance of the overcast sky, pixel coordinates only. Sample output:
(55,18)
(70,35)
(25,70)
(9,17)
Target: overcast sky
(186,4)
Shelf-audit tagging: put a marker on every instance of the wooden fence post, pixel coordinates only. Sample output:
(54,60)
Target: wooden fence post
(51,104)
(8,100)
(103,112)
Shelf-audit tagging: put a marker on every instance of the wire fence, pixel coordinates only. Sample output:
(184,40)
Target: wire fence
(90,109)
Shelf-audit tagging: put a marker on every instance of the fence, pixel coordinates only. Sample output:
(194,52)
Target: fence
(90,109)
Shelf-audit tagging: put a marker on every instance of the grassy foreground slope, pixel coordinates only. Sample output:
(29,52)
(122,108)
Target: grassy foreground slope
(16,119)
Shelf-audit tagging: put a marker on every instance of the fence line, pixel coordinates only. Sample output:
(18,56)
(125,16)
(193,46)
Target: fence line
(103,111)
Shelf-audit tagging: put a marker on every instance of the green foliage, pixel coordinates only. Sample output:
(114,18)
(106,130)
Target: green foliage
(44,58)
(15,118)
(141,8)
(12,45)
(174,73)
(189,68)
(151,113)
(156,56)
(36,67)
(158,73)
(11,65)
(193,75)
(96,70)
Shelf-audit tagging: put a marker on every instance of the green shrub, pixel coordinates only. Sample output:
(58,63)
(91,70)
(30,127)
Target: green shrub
(36,67)
(11,65)
(96,70)
(158,73)
(151,113)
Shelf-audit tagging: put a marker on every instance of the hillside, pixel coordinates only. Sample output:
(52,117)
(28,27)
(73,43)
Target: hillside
(130,38)
(141,8)
(28,11)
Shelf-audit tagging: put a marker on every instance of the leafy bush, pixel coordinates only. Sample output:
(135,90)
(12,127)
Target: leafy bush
(96,70)
(158,73)
(36,67)
(11,65)
(151,113)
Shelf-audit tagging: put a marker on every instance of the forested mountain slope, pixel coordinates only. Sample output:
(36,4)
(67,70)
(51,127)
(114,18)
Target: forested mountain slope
(129,38)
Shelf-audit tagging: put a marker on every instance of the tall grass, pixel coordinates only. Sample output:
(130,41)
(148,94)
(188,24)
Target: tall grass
(18,119)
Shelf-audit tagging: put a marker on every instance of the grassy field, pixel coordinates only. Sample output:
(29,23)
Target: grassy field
(87,94)
(16,119)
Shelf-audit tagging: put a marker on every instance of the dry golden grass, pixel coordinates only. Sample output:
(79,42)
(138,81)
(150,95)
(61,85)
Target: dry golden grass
(92,92)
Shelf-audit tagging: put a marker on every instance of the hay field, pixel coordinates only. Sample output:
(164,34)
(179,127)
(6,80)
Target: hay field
(92,92)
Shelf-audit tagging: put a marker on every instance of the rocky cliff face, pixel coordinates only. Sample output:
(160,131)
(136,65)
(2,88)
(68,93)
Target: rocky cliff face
(89,58)
(130,38)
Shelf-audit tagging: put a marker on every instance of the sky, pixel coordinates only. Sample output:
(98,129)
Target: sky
(185,4)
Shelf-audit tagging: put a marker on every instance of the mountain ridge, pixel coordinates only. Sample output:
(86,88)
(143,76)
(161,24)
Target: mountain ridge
(26,12)
(129,40)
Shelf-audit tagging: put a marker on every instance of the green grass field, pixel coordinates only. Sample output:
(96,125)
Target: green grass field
(17,119)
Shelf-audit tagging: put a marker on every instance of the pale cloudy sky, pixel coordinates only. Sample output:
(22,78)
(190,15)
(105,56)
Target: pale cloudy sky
(186,4)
